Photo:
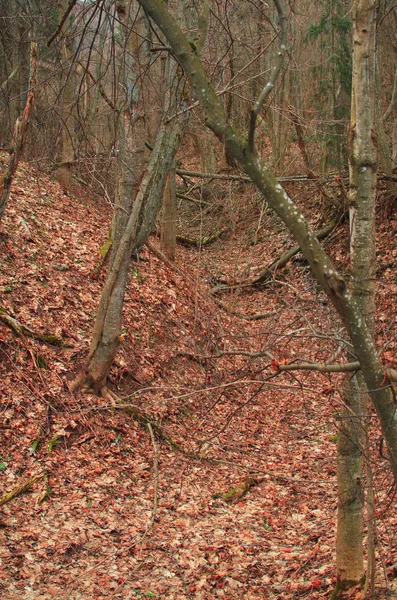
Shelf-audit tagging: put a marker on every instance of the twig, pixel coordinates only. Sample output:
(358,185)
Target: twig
(156,485)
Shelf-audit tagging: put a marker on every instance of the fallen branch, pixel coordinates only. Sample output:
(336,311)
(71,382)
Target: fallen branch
(255,317)
(268,272)
(20,489)
(156,484)
(184,173)
(193,200)
(322,368)
(22,331)
(236,493)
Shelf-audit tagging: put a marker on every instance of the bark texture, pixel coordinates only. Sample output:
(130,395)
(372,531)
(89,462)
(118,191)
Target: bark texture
(363,178)
(65,169)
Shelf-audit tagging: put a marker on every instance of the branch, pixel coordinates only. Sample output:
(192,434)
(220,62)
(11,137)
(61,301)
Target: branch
(61,22)
(183,173)
(276,71)
(9,78)
(20,489)
(156,483)
(23,331)
(205,241)
(269,271)
(322,368)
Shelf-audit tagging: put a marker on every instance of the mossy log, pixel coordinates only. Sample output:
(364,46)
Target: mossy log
(20,489)
(23,331)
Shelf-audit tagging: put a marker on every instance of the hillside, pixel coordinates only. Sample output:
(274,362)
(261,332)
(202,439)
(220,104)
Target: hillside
(230,491)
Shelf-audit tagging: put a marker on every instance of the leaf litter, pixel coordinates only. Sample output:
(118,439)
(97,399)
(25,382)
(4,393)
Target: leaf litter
(82,530)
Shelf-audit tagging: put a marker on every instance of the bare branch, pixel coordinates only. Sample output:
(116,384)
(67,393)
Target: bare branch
(273,78)
(61,23)
(322,368)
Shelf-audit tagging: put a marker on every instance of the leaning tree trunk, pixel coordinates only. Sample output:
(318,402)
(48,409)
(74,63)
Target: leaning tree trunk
(363,176)
(330,280)
(137,206)
(20,129)
(106,335)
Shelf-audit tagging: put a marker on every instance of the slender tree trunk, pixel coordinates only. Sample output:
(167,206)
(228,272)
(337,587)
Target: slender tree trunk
(20,128)
(363,177)
(65,168)
(385,161)
(168,219)
(349,538)
(137,204)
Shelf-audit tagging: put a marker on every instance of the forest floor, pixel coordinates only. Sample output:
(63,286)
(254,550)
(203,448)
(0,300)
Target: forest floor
(233,495)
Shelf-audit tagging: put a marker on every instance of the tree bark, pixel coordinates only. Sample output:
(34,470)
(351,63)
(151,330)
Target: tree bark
(106,334)
(330,280)
(363,178)
(65,169)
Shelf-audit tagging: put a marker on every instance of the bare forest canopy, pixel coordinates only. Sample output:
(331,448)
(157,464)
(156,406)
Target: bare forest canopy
(198,351)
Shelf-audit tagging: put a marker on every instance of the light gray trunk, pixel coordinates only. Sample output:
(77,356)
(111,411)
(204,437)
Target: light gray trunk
(363,177)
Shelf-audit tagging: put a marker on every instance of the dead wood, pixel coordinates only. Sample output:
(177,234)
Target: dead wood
(268,272)
(22,331)
(205,241)
(20,489)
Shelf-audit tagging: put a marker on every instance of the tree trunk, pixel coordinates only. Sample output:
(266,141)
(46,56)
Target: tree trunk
(168,218)
(65,169)
(363,177)
(106,335)
(330,280)
(20,128)
(385,161)
(349,538)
